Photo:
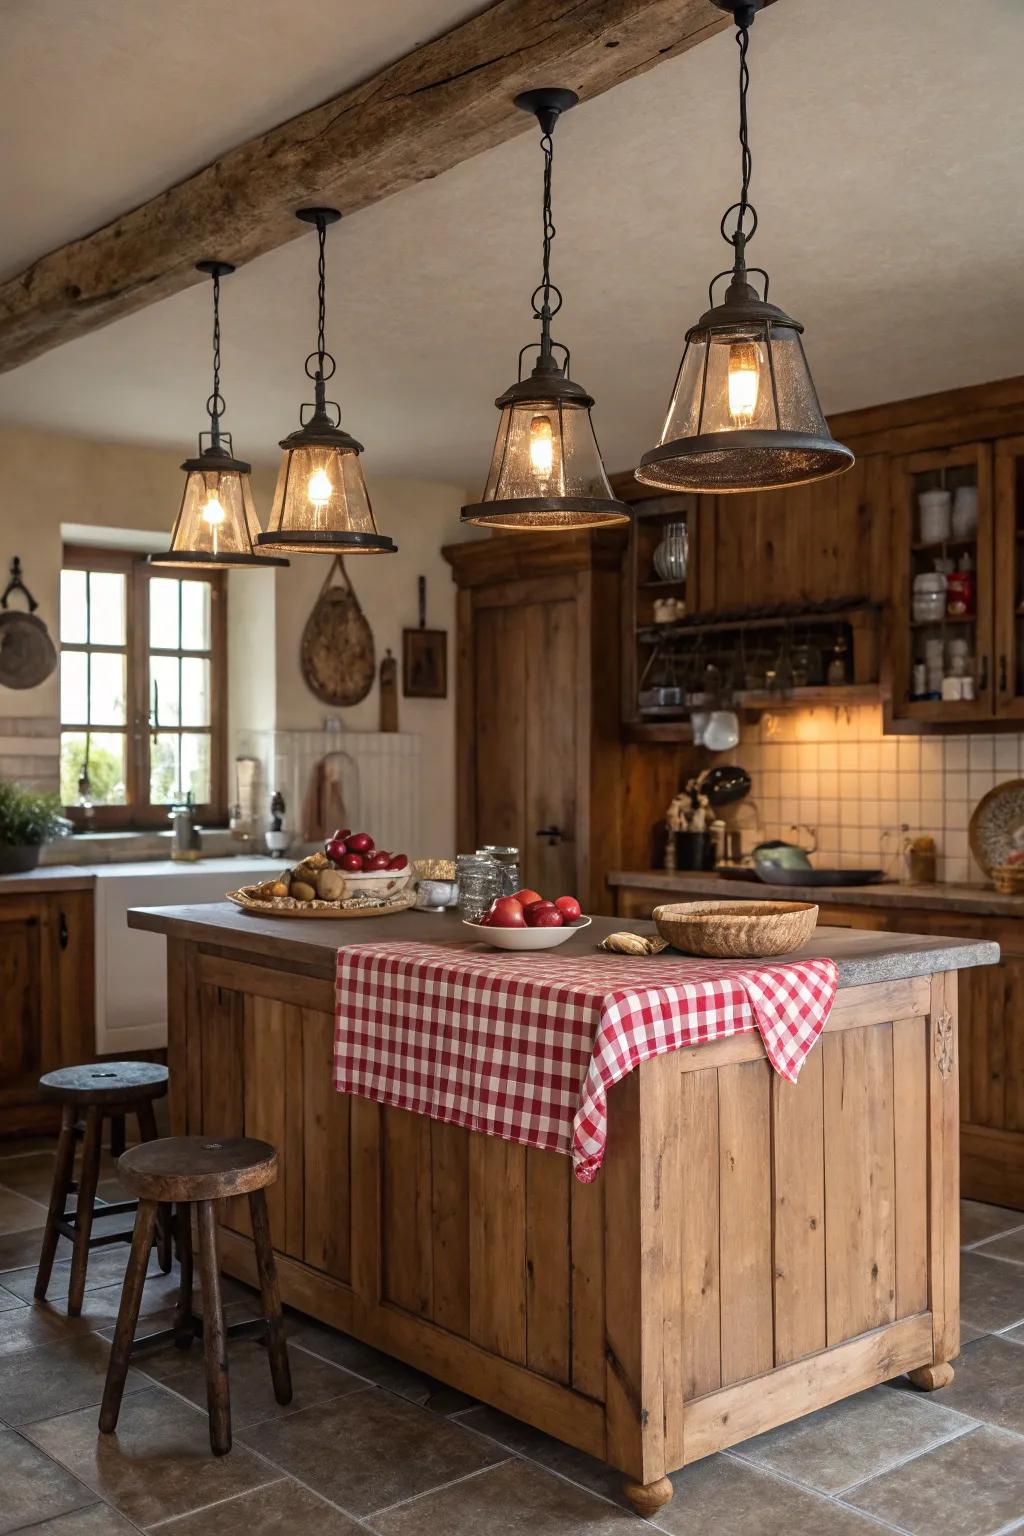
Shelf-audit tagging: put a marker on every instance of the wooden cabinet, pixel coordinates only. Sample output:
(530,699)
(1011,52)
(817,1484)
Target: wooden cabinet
(1009,578)
(537,704)
(46,999)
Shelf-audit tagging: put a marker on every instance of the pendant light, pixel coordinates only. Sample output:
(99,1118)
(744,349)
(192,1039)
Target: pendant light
(321,505)
(217,522)
(546,469)
(744,414)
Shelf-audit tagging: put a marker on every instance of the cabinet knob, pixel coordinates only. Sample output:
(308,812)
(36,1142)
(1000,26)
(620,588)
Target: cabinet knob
(62,931)
(1002,674)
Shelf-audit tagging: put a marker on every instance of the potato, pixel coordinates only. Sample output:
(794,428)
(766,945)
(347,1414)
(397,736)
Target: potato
(303,892)
(330,884)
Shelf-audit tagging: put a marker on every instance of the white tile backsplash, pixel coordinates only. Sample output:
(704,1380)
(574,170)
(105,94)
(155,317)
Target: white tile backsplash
(832,769)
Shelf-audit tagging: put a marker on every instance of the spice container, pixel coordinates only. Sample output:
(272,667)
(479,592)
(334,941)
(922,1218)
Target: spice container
(960,594)
(920,857)
(934,515)
(929,600)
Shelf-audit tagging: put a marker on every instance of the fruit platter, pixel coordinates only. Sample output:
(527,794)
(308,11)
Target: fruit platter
(351,877)
(526,921)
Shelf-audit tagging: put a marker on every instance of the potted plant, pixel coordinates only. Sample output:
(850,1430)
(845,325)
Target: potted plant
(27,820)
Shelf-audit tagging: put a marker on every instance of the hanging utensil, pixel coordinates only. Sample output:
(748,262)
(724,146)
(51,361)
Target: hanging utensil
(27,654)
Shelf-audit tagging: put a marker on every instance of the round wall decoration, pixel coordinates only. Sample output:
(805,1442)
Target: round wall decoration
(337,654)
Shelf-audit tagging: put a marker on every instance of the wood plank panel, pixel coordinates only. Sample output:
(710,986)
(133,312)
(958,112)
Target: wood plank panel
(910,1102)
(554,691)
(223,1085)
(326,1129)
(449,1187)
(699,1272)
(178,1034)
(500,666)
(799,1213)
(674,1198)
(548,1309)
(497,1246)
(273,1037)
(406,1229)
(860,1250)
(745,1278)
(943,1171)
(587,1224)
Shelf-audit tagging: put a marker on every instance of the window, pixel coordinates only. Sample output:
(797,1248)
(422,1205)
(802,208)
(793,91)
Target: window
(142,689)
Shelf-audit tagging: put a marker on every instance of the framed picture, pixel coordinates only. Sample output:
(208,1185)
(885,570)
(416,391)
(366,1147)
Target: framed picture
(425,663)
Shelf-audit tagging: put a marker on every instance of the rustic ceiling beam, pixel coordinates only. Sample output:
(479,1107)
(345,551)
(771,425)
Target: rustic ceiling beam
(437,106)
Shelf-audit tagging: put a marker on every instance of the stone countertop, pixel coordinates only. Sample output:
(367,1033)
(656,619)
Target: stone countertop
(82,877)
(983,900)
(861,957)
(49,878)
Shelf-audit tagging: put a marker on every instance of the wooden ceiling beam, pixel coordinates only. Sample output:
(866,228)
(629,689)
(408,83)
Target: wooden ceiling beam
(439,105)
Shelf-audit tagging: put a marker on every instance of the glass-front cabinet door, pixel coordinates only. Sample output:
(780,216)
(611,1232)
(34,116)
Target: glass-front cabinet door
(1009,577)
(943,638)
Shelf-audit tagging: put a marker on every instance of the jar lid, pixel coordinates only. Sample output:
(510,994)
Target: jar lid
(930,581)
(502,854)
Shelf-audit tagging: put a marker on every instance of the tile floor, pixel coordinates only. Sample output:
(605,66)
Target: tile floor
(369,1445)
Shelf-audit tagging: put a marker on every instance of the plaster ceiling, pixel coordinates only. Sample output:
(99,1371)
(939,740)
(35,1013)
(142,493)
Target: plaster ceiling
(887,152)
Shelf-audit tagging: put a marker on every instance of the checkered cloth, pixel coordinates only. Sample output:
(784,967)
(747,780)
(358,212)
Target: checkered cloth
(526,1046)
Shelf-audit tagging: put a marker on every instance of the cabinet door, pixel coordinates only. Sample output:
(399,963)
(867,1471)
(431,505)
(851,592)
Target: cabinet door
(552,699)
(22,988)
(499,636)
(912,640)
(1009,577)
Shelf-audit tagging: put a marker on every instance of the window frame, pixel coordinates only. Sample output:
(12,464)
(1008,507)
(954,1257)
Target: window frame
(139,814)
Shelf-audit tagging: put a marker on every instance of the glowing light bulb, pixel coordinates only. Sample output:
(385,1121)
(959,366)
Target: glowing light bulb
(542,447)
(320,489)
(744,382)
(213,515)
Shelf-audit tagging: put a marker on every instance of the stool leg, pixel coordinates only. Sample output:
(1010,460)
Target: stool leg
(215,1349)
(117,1142)
(279,1368)
(148,1132)
(62,1171)
(184,1332)
(91,1146)
(127,1315)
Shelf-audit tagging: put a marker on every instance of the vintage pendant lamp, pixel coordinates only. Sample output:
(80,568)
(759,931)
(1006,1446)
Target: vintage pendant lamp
(744,414)
(321,505)
(217,523)
(546,469)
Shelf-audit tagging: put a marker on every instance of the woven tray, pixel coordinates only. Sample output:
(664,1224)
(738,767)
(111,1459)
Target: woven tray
(286,906)
(740,930)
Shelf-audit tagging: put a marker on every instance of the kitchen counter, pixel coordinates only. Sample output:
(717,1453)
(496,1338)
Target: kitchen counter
(751,1250)
(980,899)
(862,958)
(83,877)
(48,877)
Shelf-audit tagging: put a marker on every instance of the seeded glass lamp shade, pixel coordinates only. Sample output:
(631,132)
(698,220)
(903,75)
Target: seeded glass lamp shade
(321,505)
(216,524)
(546,469)
(744,413)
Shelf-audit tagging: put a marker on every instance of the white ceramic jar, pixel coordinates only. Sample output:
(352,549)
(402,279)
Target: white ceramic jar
(934,515)
(964,521)
(929,599)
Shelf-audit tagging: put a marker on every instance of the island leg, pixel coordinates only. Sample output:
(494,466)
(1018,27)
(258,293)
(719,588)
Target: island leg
(647,1498)
(929,1378)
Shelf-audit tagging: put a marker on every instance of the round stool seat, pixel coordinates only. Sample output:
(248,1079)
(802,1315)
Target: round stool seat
(197,1168)
(106,1082)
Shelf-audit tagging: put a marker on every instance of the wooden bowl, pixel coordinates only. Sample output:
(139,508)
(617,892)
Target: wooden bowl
(740,930)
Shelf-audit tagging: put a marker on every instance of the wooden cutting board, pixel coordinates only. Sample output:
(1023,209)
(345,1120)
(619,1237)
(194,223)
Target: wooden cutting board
(337,653)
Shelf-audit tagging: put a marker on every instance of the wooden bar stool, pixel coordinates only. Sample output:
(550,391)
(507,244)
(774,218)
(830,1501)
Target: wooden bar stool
(103,1090)
(190,1170)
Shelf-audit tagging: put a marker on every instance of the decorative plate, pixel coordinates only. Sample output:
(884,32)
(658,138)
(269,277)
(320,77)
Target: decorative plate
(996,831)
(287,906)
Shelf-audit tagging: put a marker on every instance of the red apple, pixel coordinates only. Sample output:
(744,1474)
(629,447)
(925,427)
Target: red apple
(485,921)
(375,860)
(506,912)
(353,863)
(569,908)
(336,850)
(548,919)
(359,842)
(526,897)
(537,909)
(340,834)
(398,861)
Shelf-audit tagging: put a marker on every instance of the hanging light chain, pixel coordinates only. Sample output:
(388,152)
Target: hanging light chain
(215,405)
(738,239)
(321,293)
(548,292)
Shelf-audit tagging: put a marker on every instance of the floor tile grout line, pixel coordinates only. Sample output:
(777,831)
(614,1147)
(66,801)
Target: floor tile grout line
(229,1498)
(830,1498)
(993,1237)
(961,1434)
(454,1482)
(98,1497)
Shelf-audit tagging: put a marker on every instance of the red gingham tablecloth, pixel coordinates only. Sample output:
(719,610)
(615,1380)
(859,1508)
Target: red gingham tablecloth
(526,1046)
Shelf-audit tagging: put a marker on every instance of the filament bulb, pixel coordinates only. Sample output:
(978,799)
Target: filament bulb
(213,512)
(320,488)
(542,447)
(744,381)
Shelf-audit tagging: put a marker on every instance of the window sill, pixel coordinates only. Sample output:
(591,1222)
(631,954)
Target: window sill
(128,847)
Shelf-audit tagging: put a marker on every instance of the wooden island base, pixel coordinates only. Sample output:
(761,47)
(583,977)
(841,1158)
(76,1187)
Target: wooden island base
(750,1252)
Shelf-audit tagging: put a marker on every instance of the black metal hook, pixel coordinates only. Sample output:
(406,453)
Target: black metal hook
(17,585)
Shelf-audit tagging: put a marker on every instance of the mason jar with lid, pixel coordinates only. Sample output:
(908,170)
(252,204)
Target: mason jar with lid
(479,877)
(508,859)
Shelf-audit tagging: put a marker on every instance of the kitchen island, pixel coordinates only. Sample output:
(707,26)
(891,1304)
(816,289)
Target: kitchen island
(750,1251)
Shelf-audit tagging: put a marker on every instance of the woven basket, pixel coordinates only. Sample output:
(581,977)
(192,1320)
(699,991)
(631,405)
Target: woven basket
(1008,879)
(736,929)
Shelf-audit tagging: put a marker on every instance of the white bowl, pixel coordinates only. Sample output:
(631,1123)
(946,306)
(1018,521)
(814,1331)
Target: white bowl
(526,938)
(375,882)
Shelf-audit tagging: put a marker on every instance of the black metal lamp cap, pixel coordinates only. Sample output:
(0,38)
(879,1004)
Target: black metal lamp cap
(742,11)
(215,268)
(321,217)
(547,103)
